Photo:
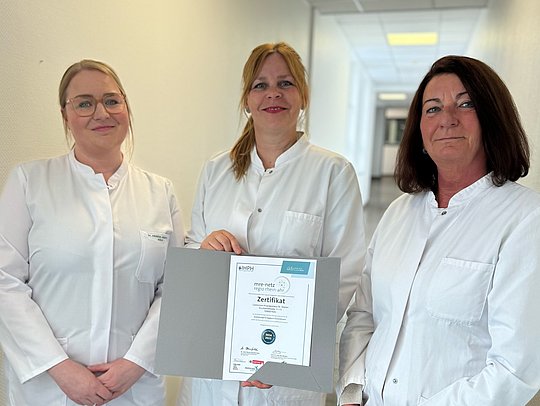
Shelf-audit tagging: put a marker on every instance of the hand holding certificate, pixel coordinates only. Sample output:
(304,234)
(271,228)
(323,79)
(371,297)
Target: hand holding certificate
(269,313)
(295,316)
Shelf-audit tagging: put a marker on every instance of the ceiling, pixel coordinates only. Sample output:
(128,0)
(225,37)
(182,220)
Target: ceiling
(365,24)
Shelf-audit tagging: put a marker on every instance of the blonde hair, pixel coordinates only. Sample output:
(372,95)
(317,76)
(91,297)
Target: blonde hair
(240,153)
(89,64)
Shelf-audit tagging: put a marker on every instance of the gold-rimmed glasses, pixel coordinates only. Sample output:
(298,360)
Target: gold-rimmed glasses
(85,105)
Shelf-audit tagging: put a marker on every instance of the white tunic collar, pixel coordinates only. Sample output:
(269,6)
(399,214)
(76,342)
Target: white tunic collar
(88,173)
(297,149)
(464,196)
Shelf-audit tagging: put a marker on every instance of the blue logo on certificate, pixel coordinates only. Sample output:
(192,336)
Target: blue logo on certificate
(268,336)
(295,267)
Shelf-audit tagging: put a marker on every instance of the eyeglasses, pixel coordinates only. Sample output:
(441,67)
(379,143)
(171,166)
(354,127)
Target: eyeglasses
(85,106)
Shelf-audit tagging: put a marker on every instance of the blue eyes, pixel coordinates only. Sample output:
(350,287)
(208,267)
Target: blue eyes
(86,104)
(285,84)
(111,101)
(282,84)
(468,104)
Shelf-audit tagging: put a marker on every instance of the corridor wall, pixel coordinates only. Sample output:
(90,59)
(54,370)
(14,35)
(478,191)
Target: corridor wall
(507,39)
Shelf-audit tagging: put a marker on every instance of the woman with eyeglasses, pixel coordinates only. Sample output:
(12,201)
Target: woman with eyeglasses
(83,239)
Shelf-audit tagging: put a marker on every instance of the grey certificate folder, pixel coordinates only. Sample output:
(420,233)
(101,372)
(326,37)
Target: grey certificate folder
(191,337)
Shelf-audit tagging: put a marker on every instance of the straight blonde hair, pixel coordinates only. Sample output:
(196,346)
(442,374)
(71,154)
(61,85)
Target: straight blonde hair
(240,153)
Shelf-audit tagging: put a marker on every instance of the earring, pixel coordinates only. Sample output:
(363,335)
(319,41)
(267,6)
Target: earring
(424,151)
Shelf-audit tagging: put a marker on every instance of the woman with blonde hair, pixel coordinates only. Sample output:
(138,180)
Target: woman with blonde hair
(275,193)
(83,239)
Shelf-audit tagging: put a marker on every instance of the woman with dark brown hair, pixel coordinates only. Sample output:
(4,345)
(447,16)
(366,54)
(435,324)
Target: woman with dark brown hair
(446,312)
(275,193)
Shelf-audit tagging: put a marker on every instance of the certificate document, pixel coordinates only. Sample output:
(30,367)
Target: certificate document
(269,313)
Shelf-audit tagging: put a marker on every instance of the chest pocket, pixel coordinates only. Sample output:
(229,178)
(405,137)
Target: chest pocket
(459,289)
(153,253)
(299,234)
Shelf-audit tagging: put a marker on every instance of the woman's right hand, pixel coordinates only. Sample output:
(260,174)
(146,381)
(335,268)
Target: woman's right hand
(222,240)
(79,384)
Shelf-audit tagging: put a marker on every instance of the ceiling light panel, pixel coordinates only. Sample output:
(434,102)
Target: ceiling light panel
(412,38)
(392,96)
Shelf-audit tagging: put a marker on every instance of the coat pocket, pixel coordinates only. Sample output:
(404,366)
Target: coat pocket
(299,234)
(153,253)
(458,291)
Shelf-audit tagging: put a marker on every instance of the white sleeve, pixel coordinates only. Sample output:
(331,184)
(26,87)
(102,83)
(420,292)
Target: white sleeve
(197,232)
(344,234)
(25,335)
(357,332)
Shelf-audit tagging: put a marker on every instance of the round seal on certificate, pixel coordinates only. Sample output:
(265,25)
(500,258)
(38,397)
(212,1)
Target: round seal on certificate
(282,284)
(268,336)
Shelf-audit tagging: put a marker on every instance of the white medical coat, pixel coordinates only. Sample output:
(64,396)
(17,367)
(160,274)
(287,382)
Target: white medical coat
(447,309)
(309,204)
(81,268)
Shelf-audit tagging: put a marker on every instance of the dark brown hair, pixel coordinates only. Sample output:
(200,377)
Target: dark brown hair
(503,137)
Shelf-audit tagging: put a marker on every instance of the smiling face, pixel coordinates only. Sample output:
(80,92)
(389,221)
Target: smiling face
(274,100)
(101,133)
(451,132)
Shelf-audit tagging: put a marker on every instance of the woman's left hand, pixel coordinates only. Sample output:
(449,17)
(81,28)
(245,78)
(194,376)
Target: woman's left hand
(256,384)
(117,376)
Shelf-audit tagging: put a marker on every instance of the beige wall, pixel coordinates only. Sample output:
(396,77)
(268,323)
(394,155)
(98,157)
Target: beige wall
(180,62)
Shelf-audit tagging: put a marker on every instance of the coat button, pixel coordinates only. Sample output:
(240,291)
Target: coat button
(394,380)
(259,210)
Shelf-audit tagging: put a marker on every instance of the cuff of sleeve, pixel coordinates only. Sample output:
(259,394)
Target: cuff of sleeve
(149,368)
(351,394)
(32,374)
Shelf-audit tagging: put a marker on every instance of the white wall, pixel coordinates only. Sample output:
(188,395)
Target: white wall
(507,39)
(330,79)
(342,109)
(378,143)
(361,136)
